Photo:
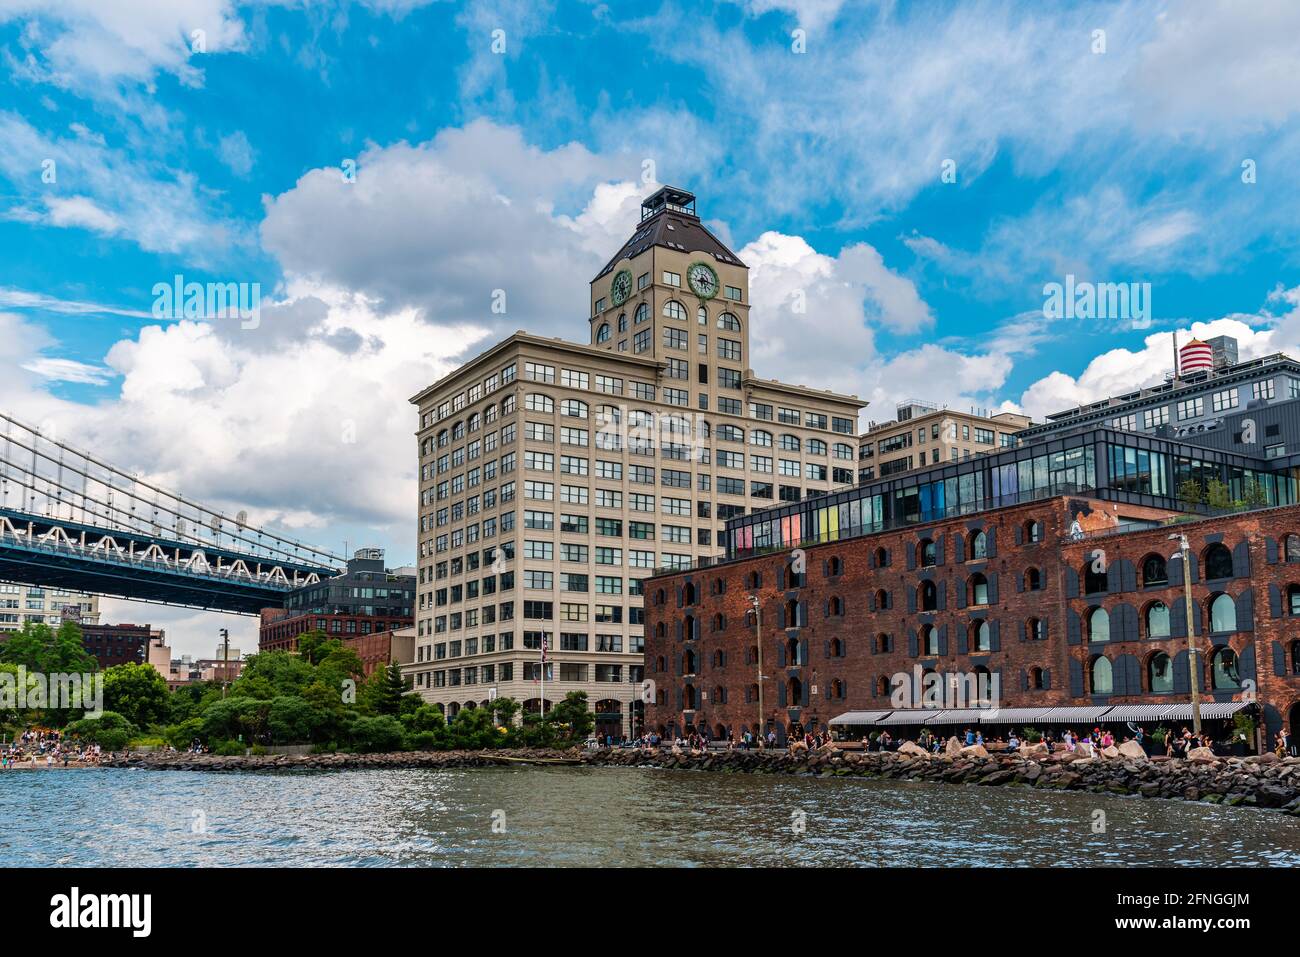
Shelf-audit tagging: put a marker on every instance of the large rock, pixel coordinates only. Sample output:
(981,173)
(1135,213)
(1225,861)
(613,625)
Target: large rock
(908,747)
(953,747)
(1131,749)
(1028,750)
(973,751)
(1110,752)
(1201,754)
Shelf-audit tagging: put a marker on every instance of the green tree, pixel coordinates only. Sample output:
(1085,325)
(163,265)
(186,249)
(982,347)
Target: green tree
(1253,494)
(111,731)
(1218,495)
(67,652)
(505,709)
(292,720)
(572,717)
(378,732)
(383,692)
(138,693)
(1190,491)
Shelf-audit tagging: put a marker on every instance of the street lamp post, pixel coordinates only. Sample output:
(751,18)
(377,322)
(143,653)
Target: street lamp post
(1189,614)
(758,642)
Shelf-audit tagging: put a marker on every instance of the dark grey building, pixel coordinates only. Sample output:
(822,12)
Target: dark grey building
(366,588)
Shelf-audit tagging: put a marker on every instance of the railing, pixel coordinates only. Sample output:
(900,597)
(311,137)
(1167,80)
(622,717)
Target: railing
(1204,514)
(875,528)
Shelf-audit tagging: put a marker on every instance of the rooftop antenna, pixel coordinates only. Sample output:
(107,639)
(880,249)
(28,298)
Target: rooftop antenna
(1175,335)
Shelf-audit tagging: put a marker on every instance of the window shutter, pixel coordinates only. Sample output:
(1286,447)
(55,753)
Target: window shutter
(1076,678)
(1021,631)
(963,641)
(1072,627)
(943,639)
(1270,550)
(1047,679)
(1071,582)
(961,593)
(1279,659)
(939,547)
(1274,601)
(826,653)
(1020,540)
(911,643)
(780,653)
(1241,560)
(911,601)
(941,594)
(1024,675)
(780,694)
(993,588)
(1246,610)
(911,555)
(991,540)
(889,642)
(995,637)
(958,547)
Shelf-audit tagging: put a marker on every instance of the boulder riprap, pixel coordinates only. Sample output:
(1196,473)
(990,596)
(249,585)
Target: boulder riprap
(1264,782)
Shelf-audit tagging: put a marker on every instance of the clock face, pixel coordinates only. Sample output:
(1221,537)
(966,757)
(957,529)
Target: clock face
(703,280)
(621,287)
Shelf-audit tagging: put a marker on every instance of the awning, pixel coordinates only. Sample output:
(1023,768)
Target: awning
(916,716)
(858,717)
(1135,712)
(1210,710)
(1072,715)
(962,716)
(1012,715)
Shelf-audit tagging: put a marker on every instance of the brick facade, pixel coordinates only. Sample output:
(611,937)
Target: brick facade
(864,611)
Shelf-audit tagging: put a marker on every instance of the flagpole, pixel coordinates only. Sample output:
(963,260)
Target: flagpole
(542,677)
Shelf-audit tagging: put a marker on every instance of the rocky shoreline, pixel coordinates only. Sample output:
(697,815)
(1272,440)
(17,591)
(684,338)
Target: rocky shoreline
(1261,781)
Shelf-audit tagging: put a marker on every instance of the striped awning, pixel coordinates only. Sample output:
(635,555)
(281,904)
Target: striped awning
(916,716)
(959,716)
(1072,715)
(1210,710)
(1135,712)
(858,717)
(1012,715)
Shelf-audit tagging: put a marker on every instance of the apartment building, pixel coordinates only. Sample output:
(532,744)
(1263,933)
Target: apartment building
(923,434)
(555,476)
(46,606)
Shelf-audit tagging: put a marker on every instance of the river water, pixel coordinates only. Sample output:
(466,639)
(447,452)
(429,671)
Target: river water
(554,817)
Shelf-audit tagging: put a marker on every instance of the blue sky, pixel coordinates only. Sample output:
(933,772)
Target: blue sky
(506,145)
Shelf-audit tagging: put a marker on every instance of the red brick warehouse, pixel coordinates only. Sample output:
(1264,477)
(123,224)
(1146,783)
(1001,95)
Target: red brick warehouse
(1005,592)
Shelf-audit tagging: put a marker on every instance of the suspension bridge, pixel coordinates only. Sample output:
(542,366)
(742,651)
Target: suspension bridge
(69,520)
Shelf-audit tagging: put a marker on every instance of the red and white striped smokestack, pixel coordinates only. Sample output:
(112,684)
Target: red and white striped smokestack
(1196,356)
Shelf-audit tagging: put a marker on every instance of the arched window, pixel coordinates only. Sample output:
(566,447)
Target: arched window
(837,648)
(1157,620)
(702,316)
(1099,675)
(641,315)
(882,558)
(690,662)
(688,698)
(1033,531)
(1223,614)
(717,658)
(573,408)
(1099,625)
(659,662)
(836,606)
(928,552)
(602,334)
(927,596)
(793,618)
(1035,629)
(622,322)
(674,310)
(688,593)
(1293,548)
(979,546)
(1036,679)
(718,623)
(794,689)
(1154,571)
(882,686)
(979,589)
(1033,579)
(1218,562)
(1293,598)
(790,443)
(882,644)
(979,636)
(882,599)
(659,597)
(539,402)
(760,437)
(1160,672)
(728,322)
(1295,657)
(835,566)
(1094,578)
(753,580)
(1223,667)
(837,688)
(659,630)
(929,640)
(719,586)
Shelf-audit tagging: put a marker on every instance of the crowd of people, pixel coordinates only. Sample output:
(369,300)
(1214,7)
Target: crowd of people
(38,747)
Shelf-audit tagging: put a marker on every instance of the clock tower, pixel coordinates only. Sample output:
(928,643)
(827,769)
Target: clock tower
(674,292)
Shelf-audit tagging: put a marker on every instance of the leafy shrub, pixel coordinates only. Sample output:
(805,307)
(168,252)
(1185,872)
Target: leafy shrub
(377,733)
(110,731)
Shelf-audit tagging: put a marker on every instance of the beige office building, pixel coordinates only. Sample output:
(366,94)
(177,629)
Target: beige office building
(44,606)
(555,476)
(922,435)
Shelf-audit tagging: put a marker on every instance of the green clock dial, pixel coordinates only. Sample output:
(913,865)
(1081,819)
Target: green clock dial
(703,280)
(621,287)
